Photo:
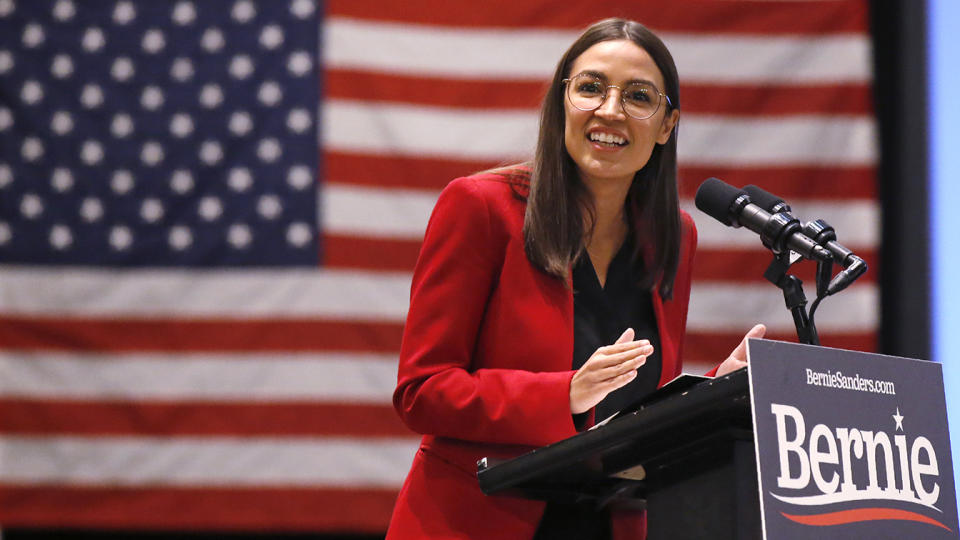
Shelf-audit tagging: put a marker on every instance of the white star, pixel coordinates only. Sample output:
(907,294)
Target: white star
(898,418)
(122,69)
(239,179)
(60,237)
(93,39)
(151,210)
(32,149)
(92,96)
(61,180)
(180,237)
(6,118)
(181,69)
(91,209)
(31,206)
(181,181)
(151,153)
(210,208)
(124,13)
(243,11)
(152,98)
(32,92)
(298,121)
(301,8)
(33,35)
(211,96)
(299,177)
(241,66)
(122,125)
(269,206)
(62,66)
(270,93)
(6,7)
(211,152)
(181,125)
(153,41)
(271,37)
(239,235)
(91,152)
(61,123)
(121,237)
(64,10)
(6,234)
(212,40)
(240,123)
(299,234)
(299,63)
(6,61)
(6,175)
(184,13)
(121,182)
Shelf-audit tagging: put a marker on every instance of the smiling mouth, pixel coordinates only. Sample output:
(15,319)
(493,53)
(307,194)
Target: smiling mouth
(607,139)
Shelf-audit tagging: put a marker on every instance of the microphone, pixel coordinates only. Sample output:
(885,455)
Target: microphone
(820,232)
(733,207)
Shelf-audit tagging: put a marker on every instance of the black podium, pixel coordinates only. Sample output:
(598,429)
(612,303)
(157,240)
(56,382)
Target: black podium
(688,457)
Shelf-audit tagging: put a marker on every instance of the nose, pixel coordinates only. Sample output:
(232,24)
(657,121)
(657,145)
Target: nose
(610,108)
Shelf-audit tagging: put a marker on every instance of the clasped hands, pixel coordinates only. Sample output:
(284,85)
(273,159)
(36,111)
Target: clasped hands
(613,366)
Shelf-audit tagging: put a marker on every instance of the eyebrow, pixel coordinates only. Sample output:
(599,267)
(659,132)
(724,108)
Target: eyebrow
(602,76)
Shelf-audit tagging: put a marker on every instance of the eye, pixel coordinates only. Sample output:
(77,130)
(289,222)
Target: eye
(590,87)
(638,95)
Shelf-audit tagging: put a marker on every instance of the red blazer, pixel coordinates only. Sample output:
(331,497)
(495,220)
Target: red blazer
(485,364)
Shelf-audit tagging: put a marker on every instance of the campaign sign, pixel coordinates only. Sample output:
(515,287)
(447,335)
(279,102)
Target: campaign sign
(850,444)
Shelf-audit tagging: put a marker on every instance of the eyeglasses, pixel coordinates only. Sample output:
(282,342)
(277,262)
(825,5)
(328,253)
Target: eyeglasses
(639,100)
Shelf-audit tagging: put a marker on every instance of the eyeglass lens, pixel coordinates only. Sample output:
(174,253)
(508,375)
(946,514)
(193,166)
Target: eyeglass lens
(640,100)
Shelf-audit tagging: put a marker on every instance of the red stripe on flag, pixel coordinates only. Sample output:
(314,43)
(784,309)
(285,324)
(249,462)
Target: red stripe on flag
(172,335)
(369,253)
(791,183)
(703,347)
(526,95)
(809,182)
(47,417)
(237,509)
(771,17)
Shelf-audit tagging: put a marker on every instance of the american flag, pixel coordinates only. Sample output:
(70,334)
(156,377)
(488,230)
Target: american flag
(209,213)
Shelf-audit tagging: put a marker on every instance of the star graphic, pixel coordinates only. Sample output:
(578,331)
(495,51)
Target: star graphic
(898,418)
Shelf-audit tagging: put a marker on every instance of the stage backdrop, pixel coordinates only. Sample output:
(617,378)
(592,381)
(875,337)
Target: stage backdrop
(209,213)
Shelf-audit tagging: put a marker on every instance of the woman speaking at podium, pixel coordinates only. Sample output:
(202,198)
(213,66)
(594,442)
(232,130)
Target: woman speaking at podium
(547,295)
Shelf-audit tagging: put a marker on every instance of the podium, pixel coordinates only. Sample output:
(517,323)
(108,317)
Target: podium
(809,442)
(687,457)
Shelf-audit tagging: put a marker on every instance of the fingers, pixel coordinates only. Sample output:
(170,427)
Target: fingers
(625,337)
(740,353)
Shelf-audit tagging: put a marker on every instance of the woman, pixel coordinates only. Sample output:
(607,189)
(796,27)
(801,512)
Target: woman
(526,278)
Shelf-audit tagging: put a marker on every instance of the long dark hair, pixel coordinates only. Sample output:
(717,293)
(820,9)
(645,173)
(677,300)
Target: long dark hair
(553,227)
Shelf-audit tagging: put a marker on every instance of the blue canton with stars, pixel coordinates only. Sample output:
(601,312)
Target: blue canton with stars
(159,132)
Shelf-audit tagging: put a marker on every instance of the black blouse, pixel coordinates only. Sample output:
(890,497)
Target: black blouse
(600,315)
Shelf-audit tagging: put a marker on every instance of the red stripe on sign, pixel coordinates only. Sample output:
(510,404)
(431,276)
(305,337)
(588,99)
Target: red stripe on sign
(68,417)
(248,509)
(863,514)
(741,100)
(837,183)
(703,347)
(809,17)
(75,334)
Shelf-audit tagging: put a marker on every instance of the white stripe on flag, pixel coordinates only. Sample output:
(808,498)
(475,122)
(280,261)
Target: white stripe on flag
(376,212)
(427,131)
(240,294)
(713,306)
(719,307)
(403,214)
(206,461)
(229,377)
(501,53)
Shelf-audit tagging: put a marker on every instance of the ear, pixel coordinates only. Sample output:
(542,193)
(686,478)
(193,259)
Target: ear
(666,127)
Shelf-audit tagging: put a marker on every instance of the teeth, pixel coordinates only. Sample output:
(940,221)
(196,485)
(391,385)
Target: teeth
(608,138)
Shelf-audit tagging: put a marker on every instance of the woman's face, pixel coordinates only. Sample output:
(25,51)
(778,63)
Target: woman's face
(618,62)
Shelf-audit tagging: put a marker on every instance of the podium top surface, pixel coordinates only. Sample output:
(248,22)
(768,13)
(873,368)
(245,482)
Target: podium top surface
(662,439)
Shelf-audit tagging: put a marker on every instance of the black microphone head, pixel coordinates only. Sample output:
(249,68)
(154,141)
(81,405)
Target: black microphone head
(766,200)
(717,198)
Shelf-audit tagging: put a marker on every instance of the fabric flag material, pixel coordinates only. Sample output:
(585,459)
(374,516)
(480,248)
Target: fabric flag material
(209,214)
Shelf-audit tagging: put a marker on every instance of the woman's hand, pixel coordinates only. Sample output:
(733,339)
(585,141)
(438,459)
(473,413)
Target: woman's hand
(609,368)
(738,358)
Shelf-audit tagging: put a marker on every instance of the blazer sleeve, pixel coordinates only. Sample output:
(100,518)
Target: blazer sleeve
(441,388)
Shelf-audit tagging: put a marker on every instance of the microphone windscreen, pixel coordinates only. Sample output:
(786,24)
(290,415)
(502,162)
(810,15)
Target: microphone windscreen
(715,198)
(766,200)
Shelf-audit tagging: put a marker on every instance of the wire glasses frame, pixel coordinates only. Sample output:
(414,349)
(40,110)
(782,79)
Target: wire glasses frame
(588,92)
